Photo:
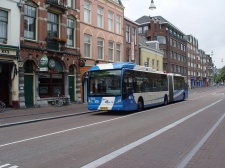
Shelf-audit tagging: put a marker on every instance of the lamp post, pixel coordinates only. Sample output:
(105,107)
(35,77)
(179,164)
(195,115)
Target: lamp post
(152,5)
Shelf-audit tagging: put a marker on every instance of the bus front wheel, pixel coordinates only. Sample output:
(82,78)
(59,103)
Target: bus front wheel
(140,105)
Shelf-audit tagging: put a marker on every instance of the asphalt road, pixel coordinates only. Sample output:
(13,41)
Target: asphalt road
(184,134)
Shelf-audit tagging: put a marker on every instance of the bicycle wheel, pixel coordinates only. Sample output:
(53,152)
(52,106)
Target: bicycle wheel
(2,107)
(59,102)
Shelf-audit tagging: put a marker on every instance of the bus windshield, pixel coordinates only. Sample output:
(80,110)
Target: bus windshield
(105,83)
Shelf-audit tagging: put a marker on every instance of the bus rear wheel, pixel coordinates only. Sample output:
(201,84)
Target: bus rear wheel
(140,105)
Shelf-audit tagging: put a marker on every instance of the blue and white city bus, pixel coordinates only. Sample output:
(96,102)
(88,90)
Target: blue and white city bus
(126,86)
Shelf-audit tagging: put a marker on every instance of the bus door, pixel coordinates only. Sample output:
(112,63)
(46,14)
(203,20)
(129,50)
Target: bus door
(171,88)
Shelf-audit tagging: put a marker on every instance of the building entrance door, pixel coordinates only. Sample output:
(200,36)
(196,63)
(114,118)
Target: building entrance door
(4,83)
(28,90)
(71,88)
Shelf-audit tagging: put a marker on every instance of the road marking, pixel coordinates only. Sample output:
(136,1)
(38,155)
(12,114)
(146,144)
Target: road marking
(6,165)
(217,94)
(198,146)
(72,129)
(124,149)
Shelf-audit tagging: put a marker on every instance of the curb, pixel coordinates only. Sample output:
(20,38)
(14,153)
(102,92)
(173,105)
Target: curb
(43,119)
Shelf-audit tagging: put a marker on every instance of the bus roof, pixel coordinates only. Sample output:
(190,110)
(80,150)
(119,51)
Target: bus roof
(115,65)
(120,65)
(174,74)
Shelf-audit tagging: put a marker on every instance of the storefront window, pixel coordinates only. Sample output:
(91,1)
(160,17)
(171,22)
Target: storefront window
(50,84)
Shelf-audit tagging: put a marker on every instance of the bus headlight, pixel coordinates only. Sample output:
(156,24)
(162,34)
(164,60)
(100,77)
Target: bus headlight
(118,101)
(89,101)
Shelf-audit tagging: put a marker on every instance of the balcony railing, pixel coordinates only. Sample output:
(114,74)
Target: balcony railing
(60,4)
(55,44)
(52,44)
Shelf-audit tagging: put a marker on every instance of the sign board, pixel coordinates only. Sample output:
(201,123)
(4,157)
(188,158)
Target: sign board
(43,69)
(44,61)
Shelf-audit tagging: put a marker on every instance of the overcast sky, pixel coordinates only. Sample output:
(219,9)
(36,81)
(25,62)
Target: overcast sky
(204,19)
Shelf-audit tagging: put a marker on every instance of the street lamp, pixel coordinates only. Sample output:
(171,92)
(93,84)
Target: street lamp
(152,5)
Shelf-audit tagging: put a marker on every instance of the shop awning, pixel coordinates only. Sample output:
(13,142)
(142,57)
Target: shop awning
(2,61)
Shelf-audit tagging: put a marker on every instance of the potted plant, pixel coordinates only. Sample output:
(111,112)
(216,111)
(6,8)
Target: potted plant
(62,41)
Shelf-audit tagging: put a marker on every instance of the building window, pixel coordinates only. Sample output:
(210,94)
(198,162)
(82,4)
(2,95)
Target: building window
(87,46)
(134,36)
(174,43)
(140,31)
(118,52)
(157,64)
(110,21)
(70,32)
(70,3)
(100,17)
(153,63)
(100,48)
(118,24)
(171,42)
(50,84)
(3,26)
(171,54)
(53,25)
(145,28)
(165,67)
(178,68)
(127,33)
(161,39)
(178,57)
(29,22)
(87,12)
(111,50)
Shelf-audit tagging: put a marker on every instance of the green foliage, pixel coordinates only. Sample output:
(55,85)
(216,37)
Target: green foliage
(220,77)
(222,74)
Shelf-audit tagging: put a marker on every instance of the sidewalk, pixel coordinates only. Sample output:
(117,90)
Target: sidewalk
(20,116)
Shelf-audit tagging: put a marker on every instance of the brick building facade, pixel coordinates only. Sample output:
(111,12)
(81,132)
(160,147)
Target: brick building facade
(171,42)
(131,49)
(49,52)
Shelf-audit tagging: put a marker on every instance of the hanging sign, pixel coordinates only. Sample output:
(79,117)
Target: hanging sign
(51,63)
(44,61)
(82,62)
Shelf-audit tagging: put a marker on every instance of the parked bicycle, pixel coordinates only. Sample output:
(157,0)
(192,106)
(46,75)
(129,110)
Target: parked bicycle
(60,101)
(2,106)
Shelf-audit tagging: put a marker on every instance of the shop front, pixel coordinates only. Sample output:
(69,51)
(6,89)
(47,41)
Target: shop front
(47,76)
(9,75)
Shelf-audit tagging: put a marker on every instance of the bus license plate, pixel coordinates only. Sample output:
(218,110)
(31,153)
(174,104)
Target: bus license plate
(103,108)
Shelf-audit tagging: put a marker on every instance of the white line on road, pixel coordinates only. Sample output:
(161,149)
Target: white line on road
(72,129)
(124,149)
(1,166)
(198,146)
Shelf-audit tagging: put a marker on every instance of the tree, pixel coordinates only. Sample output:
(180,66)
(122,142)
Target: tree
(222,74)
